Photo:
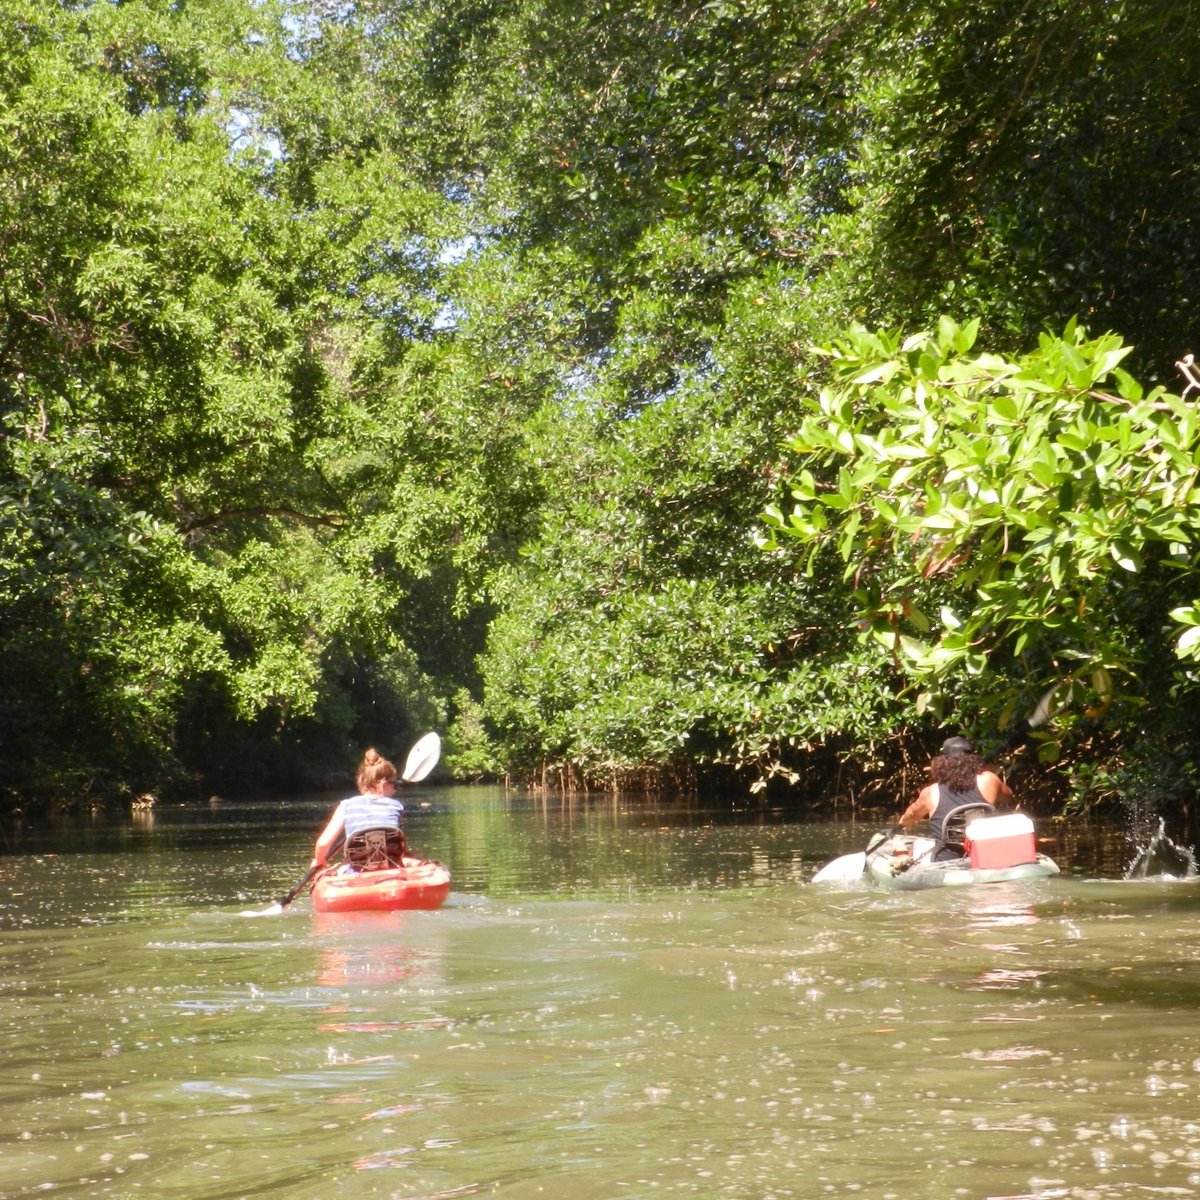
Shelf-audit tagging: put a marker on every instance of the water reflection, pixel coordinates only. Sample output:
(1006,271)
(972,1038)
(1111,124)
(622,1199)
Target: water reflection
(1008,978)
(369,949)
(616,1002)
(996,911)
(142,819)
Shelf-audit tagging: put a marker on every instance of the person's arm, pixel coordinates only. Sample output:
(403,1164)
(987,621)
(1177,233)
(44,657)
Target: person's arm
(920,809)
(992,788)
(329,838)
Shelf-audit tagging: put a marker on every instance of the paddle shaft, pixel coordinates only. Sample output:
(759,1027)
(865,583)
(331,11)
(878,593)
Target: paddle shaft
(284,901)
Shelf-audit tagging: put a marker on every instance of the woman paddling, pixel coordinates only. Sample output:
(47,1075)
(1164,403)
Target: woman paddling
(957,776)
(370,821)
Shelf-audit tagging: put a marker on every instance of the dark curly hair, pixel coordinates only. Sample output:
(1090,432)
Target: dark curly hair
(956,771)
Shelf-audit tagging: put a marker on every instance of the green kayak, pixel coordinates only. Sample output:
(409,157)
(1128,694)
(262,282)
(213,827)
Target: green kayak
(903,862)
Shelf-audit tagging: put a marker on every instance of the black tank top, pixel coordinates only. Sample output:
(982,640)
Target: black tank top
(948,800)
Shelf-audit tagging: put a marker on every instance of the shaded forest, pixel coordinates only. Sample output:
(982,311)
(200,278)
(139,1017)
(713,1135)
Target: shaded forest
(660,395)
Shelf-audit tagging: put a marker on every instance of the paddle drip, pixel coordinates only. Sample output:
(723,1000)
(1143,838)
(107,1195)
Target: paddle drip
(1160,857)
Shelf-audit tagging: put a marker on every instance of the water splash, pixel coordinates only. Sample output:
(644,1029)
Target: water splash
(1160,857)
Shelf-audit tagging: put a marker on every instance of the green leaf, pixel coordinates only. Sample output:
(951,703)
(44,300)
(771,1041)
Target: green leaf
(950,619)
(1126,556)
(880,373)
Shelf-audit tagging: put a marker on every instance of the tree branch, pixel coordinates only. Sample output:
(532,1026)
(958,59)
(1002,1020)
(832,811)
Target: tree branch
(206,521)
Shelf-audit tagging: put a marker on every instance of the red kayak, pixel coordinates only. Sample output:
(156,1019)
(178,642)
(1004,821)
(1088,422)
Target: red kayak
(419,883)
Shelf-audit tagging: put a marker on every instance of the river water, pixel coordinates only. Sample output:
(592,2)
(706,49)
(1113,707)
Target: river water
(618,1000)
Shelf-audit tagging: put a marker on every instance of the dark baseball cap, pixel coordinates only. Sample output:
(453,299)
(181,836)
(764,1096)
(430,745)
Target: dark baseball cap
(957,745)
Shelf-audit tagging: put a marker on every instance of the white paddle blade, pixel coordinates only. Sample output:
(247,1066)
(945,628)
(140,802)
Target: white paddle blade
(846,869)
(270,911)
(422,758)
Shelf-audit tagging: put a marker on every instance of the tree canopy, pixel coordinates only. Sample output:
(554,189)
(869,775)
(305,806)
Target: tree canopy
(647,392)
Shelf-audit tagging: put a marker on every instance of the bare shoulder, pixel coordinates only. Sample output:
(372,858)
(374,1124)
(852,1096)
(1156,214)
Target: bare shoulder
(992,787)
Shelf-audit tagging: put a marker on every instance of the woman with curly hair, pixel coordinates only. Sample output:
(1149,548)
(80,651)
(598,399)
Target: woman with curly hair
(957,776)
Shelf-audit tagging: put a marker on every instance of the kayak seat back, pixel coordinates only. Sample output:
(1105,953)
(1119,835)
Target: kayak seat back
(954,828)
(376,849)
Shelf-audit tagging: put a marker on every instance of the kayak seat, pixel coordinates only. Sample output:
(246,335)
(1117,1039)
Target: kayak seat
(954,828)
(376,849)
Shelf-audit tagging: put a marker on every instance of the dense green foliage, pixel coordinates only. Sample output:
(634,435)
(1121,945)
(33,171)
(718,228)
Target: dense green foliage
(1011,521)
(227,478)
(367,366)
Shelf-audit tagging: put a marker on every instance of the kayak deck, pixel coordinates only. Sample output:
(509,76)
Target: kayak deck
(419,884)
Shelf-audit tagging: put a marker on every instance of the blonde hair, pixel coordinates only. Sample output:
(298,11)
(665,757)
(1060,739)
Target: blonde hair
(374,770)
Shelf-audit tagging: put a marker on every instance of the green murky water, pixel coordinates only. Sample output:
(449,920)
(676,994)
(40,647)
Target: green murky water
(615,1003)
